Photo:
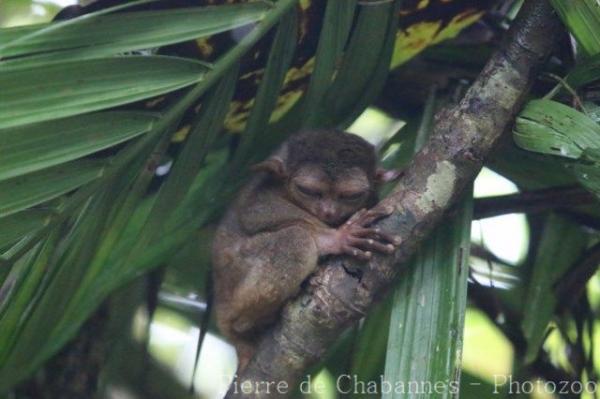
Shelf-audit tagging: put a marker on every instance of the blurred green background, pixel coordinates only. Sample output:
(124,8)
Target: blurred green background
(503,244)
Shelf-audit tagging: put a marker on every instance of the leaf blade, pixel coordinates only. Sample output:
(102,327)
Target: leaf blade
(115,33)
(35,188)
(32,147)
(583,20)
(20,224)
(556,129)
(65,89)
(561,244)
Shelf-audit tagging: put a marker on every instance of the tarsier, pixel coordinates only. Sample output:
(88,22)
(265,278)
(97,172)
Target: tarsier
(307,201)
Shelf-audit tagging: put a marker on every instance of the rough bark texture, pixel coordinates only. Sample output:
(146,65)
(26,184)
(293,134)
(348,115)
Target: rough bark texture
(342,290)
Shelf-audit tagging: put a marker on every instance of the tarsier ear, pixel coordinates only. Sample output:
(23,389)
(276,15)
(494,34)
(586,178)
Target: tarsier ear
(273,165)
(387,175)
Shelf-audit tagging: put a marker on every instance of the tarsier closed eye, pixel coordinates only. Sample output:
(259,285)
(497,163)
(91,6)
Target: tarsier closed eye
(309,191)
(353,196)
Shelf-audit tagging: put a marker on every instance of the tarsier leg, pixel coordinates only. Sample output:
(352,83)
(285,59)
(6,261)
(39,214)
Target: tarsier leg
(277,263)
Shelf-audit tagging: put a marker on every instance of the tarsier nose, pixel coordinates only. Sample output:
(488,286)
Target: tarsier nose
(329,213)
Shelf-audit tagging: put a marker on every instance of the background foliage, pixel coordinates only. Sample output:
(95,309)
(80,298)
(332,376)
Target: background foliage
(112,176)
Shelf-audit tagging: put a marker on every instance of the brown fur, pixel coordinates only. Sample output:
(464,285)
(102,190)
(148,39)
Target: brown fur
(271,238)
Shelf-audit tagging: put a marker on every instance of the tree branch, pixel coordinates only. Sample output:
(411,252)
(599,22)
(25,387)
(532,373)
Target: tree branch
(336,295)
(532,201)
(571,285)
(584,219)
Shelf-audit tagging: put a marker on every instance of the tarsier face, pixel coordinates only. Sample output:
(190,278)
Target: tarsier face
(332,199)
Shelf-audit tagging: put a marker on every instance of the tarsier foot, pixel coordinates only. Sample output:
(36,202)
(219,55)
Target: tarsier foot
(244,352)
(358,239)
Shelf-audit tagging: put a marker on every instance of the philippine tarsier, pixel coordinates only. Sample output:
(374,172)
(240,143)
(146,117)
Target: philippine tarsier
(308,200)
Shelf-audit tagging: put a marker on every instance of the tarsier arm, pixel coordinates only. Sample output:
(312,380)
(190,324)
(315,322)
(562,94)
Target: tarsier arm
(354,237)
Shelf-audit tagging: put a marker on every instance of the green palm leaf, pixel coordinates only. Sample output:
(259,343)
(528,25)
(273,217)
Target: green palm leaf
(32,189)
(29,148)
(63,89)
(110,34)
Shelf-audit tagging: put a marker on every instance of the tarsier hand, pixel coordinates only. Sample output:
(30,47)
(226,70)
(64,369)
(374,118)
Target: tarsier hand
(356,238)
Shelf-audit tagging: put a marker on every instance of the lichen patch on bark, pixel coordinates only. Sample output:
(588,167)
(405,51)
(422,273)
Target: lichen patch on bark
(439,188)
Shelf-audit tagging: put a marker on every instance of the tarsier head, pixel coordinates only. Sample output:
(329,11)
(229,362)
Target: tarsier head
(329,173)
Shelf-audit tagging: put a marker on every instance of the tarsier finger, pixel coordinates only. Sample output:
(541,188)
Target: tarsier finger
(376,233)
(357,253)
(373,245)
(356,217)
(373,215)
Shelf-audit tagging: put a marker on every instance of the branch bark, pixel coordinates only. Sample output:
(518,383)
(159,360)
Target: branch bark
(342,290)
